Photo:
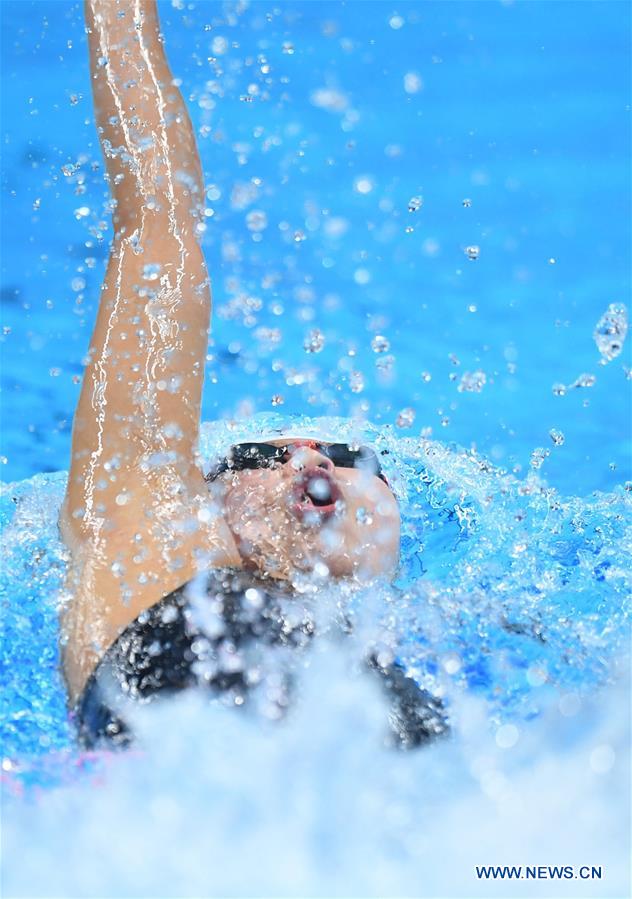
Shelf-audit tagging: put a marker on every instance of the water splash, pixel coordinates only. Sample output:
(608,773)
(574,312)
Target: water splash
(512,603)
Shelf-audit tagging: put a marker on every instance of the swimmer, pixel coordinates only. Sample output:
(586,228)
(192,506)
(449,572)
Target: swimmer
(156,544)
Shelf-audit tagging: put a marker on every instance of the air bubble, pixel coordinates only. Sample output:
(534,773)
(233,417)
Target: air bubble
(557,437)
(82,212)
(472,252)
(559,389)
(277,400)
(467,202)
(415,203)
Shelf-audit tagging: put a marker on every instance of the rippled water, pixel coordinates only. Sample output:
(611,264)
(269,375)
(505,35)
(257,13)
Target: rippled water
(512,604)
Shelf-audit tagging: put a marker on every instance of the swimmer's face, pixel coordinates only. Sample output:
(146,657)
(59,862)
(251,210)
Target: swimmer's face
(308,511)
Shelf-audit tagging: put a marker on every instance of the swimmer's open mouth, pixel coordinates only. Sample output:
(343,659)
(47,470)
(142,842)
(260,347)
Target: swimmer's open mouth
(315,492)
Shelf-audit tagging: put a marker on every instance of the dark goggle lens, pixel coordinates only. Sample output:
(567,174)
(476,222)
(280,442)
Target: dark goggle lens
(255,455)
(264,455)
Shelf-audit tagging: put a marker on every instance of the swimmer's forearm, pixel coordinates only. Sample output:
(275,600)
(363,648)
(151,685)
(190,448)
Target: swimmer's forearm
(143,124)
(140,399)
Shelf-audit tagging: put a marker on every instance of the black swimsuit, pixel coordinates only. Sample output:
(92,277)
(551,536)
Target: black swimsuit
(239,637)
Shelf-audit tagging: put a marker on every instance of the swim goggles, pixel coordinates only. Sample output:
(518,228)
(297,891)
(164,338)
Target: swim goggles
(266,455)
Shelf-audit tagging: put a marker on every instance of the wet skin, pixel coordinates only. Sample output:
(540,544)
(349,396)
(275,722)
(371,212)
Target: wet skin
(137,517)
(306,511)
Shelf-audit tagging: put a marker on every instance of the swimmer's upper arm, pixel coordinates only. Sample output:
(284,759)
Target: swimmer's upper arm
(138,412)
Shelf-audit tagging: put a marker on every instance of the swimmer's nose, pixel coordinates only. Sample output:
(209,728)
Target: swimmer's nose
(307,457)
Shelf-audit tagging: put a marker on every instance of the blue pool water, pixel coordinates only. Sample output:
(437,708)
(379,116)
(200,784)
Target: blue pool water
(324,122)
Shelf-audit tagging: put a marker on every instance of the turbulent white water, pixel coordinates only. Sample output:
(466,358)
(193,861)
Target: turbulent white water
(511,604)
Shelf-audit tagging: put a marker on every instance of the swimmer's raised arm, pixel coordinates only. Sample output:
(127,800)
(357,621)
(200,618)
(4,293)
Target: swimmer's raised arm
(136,425)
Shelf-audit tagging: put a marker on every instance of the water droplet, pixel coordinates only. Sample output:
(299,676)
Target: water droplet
(122,498)
(552,261)
(37,202)
(472,382)
(396,22)
(356,382)
(363,517)
(82,212)
(610,331)
(69,169)
(277,400)
(472,252)
(330,99)
(467,202)
(314,341)
(426,376)
(584,380)
(54,372)
(363,184)
(538,456)
(219,45)
(74,99)
(557,437)
(385,363)
(380,344)
(299,236)
(256,220)
(288,48)
(151,271)
(415,203)
(559,389)
(405,418)
(413,83)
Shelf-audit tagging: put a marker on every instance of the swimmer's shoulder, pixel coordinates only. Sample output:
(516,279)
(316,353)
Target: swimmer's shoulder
(123,562)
